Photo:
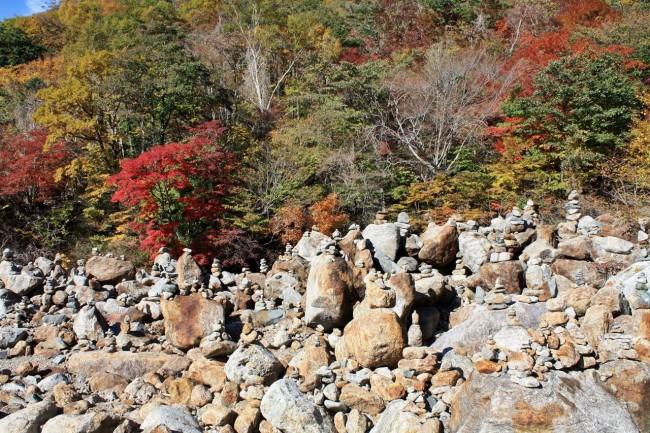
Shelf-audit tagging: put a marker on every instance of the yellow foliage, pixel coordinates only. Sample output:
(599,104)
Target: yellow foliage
(71,110)
(46,69)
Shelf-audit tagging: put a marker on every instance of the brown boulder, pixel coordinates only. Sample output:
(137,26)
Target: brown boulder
(404,288)
(313,357)
(209,373)
(578,248)
(486,403)
(439,245)
(375,338)
(487,367)
(579,299)
(180,390)
(190,318)
(188,270)
(511,272)
(361,399)
(126,364)
(641,323)
(109,269)
(386,388)
(102,381)
(596,323)
(629,382)
(570,268)
(330,292)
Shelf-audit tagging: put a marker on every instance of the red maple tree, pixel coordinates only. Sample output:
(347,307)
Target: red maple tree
(27,168)
(177,189)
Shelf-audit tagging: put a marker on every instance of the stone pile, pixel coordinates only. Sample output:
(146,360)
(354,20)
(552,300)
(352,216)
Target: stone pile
(381,331)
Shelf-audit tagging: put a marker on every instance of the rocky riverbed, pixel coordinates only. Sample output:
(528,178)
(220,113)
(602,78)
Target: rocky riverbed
(515,326)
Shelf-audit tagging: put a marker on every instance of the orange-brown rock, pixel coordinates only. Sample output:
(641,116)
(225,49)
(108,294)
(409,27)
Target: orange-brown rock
(570,268)
(629,382)
(386,388)
(567,355)
(375,338)
(208,372)
(404,288)
(510,272)
(127,364)
(439,245)
(641,323)
(487,367)
(555,318)
(424,365)
(330,293)
(596,323)
(103,381)
(359,398)
(190,318)
(314,357)
(109,269)
(445,378)
(180,390)
(564,404)
(579,298)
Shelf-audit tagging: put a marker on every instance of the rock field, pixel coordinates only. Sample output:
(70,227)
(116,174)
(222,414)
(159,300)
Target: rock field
(518,326)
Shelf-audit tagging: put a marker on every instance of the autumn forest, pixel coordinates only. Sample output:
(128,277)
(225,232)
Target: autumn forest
(231,126)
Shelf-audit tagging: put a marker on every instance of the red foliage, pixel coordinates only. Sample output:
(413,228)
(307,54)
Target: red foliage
(354,56)
(589,13)
(535,52)
(177,187)
(27,170)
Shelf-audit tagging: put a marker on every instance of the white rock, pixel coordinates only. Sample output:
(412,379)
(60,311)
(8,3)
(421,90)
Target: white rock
(290,411)
(174,419)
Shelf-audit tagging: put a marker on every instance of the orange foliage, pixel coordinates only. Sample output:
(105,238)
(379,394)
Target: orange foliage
(289,223)
(328,214)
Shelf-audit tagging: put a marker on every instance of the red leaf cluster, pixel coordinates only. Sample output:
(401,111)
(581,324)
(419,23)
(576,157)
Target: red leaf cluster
(175,184)
(27,169)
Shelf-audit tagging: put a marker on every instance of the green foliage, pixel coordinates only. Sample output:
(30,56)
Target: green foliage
(579,114)
(16,47)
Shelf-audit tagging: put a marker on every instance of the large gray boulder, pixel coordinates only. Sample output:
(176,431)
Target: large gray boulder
(251,362)
(89,324)
(475,331)
(10,336)
(188,270)
(281,283)
(475,249)
(21,284)
(290,411)
(568,403)
(384,238)
(308,246)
